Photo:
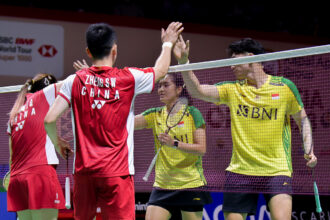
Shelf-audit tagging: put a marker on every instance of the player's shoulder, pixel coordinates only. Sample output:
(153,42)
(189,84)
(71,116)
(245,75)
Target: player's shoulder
(283,82)
(280,81)
(196,115)
(153,110)
(138,70)
(193,110)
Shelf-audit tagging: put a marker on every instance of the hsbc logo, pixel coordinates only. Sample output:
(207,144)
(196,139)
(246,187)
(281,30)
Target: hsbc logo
(47,51)
(98,104)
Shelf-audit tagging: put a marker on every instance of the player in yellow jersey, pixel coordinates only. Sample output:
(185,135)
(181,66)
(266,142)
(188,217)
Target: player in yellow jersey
(260,108)
(179,164)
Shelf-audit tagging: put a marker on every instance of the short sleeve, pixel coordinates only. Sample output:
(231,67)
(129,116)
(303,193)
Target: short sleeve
(223,90)
(144,79)
(149,116)
(8,129)
(295,103)
(50,93)
(66,89)
(197,116)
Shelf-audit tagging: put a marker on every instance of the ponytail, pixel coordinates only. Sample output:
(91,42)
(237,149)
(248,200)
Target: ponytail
(39,82)
(20,100)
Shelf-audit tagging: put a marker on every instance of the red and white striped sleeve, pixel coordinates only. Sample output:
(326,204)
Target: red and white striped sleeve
(66,89)
(50,93)
(144,79)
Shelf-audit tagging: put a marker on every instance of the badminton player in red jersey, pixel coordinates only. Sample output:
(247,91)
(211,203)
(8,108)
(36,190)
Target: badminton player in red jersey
(102,101)
(34,191)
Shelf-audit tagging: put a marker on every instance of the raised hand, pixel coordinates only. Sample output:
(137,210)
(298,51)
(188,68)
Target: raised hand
(78,65)
(172,32)
(181,50)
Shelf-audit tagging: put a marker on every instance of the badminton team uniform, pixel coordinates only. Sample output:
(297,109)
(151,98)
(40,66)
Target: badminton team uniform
(33,179)
(177,170)
(102,103)
(261,133)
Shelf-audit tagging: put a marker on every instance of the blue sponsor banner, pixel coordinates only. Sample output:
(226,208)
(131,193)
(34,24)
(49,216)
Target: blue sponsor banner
(3,208)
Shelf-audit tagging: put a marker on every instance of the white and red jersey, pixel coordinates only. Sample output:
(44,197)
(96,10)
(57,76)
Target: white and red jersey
(31,146)
(102,103)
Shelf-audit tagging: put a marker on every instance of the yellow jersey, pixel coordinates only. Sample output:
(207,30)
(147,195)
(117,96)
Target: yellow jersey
(260,125)
(174,168)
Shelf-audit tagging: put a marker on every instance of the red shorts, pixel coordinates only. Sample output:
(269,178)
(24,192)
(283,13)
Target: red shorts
(35,188)
(114,195)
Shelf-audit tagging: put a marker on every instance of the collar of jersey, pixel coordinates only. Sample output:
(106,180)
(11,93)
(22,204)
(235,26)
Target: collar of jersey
(100,68)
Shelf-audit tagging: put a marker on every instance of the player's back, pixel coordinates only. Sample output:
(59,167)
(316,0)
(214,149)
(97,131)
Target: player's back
(30,144)
(101,99)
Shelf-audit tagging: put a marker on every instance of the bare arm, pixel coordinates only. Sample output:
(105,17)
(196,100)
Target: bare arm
(55,111)
(198,147)
(139,122)
(305,128)
(169,37)
(208,93)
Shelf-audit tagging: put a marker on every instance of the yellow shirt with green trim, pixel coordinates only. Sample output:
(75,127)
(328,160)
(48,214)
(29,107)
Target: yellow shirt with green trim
(176,169)
(260,125)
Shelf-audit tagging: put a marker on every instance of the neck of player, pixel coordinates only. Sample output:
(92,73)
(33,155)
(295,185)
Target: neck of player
(170,104)
(106,61)
(257,78)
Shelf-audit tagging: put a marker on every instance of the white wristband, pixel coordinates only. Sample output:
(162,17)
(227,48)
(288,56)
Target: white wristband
(167,44)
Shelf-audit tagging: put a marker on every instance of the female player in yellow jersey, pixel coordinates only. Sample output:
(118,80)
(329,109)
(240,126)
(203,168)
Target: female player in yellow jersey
(179,164)
(260,107)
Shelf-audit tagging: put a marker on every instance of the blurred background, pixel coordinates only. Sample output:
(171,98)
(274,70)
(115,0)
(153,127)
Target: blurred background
(294,17)
(48,36)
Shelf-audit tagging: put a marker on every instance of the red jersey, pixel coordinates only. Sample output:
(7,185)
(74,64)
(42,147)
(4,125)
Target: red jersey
(102,103)
(31,146)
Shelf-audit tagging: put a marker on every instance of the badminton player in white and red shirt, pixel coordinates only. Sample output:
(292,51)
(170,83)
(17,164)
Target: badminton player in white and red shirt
(34,191)
(102,102)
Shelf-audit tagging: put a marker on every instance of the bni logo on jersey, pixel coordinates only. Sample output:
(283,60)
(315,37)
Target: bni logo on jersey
(98,104)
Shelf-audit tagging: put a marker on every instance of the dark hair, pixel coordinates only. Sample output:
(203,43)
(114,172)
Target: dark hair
(178,81)
(246,45)
(100,38)
(38,82)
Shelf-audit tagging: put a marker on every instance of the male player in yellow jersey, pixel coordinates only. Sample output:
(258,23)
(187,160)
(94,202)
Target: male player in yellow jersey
(260,107)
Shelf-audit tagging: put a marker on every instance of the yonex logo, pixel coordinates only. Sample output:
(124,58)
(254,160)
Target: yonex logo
(20,125)
(47,51)
(98,104)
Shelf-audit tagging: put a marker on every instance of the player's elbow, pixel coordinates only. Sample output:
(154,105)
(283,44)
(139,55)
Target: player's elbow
(49,119)
(160,73)
(202,151)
